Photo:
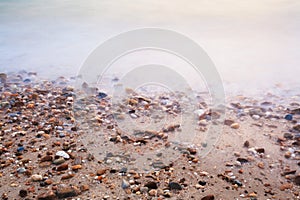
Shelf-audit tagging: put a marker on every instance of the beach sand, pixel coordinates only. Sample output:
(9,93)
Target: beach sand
(48,152)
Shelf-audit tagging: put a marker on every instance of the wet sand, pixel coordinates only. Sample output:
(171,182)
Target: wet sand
(47,149)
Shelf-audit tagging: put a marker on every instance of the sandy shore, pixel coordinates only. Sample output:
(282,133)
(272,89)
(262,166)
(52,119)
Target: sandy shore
(54,145)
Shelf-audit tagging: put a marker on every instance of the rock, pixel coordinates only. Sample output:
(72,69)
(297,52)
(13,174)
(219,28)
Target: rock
(261,165)
(174,186)
(76,167)
(228,122)
(246,144)
(64,191)
(287,154)
(101,95)
(260,150)
(125,184)
(288,136)
(208,197)
(152,193)
(84,188)
(192,151)
(62,154)
(286,186)
(62,167)
(242,160)
(297,179)
(203,183)
(101,172)
(23,193)
(36,177)
(58,161)
(235,125)
(297,127)
(151,185)
(289,117)
(144,190)
(48,181)
(46,158)
(50,195)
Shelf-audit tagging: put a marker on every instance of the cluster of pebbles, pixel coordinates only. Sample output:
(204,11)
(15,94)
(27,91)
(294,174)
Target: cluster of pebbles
(49,134)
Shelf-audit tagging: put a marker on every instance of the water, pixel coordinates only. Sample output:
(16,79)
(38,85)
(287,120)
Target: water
(254,45)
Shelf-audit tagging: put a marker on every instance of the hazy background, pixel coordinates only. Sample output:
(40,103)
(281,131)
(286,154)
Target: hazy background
(254,44)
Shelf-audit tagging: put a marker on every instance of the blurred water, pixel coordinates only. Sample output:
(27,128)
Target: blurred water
(254,45)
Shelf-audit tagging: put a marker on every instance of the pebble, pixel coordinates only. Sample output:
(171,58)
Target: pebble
(125,184)
(235,125)
(62,167)
(208,197)
(76,167)
(151,185)
(297,180)
(286,186)
(256,117)
(84,188)
(23,193)
(174,186)
(289,117)
(64,191)
(50,195)
(62,154)
(288,136)
(101,172)
(58,161)
(36,177)
(152,193)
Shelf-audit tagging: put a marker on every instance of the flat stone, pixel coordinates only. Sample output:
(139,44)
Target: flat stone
(174,186)
(64,191)
(50,195)
(62,154)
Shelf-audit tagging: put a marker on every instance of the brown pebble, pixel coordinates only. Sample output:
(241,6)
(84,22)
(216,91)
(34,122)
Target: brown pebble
(84,188)
(192,151)
(235,125)
(62,167)
(46,158)
(101,172)
(67,176)
(50,195)
(76,167)
(228,122)
(261,165)
(48,181)
(286,186)
(287,154)
(45,164)
(246,144)
(64,191)
(208,197)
